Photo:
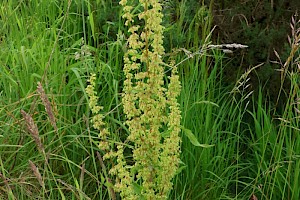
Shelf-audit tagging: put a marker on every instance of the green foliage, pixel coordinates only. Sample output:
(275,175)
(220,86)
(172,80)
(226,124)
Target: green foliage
(187,24)
(263,26)
(255,150)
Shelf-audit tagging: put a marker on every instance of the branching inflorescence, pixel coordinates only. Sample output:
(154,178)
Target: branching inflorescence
(151,108)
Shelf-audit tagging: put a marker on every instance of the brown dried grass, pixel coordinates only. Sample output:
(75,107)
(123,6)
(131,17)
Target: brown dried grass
(37,174)
(47,105)
(33,130)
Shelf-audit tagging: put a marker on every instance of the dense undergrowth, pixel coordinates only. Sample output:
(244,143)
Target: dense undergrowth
(234,144)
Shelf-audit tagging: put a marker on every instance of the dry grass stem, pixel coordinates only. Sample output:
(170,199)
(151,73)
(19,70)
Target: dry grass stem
(82,175)
(33,129)
(110,189)
(47,105)
(294,43)
(73,189)
(5,181)
(227,48)
(241,83)
(37,174)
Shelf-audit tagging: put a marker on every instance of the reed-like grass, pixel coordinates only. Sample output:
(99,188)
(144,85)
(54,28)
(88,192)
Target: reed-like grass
(49,148)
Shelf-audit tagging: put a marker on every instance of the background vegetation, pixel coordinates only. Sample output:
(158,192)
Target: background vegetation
(48,147)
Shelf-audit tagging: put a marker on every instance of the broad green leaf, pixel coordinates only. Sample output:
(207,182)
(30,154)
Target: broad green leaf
(166,134)
(108,184)
(193,139)
(138,190)
(180,169)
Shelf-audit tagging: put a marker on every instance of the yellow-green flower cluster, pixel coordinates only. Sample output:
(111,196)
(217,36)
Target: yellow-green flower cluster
(151,109)
(171,152)
(97,119)
(124,178)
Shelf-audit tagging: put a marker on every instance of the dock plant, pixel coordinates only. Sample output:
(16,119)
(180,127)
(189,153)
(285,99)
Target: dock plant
(150,105)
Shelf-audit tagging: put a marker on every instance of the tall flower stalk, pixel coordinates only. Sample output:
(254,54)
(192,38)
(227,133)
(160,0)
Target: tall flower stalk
(151,109)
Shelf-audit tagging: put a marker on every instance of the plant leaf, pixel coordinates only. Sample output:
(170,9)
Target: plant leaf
(138,190)
(193,139)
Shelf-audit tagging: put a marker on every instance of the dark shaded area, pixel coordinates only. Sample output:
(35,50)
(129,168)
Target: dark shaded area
(264,26)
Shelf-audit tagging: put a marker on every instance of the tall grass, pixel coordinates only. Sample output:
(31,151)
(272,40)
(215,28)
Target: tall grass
(38,46)
(245,149)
